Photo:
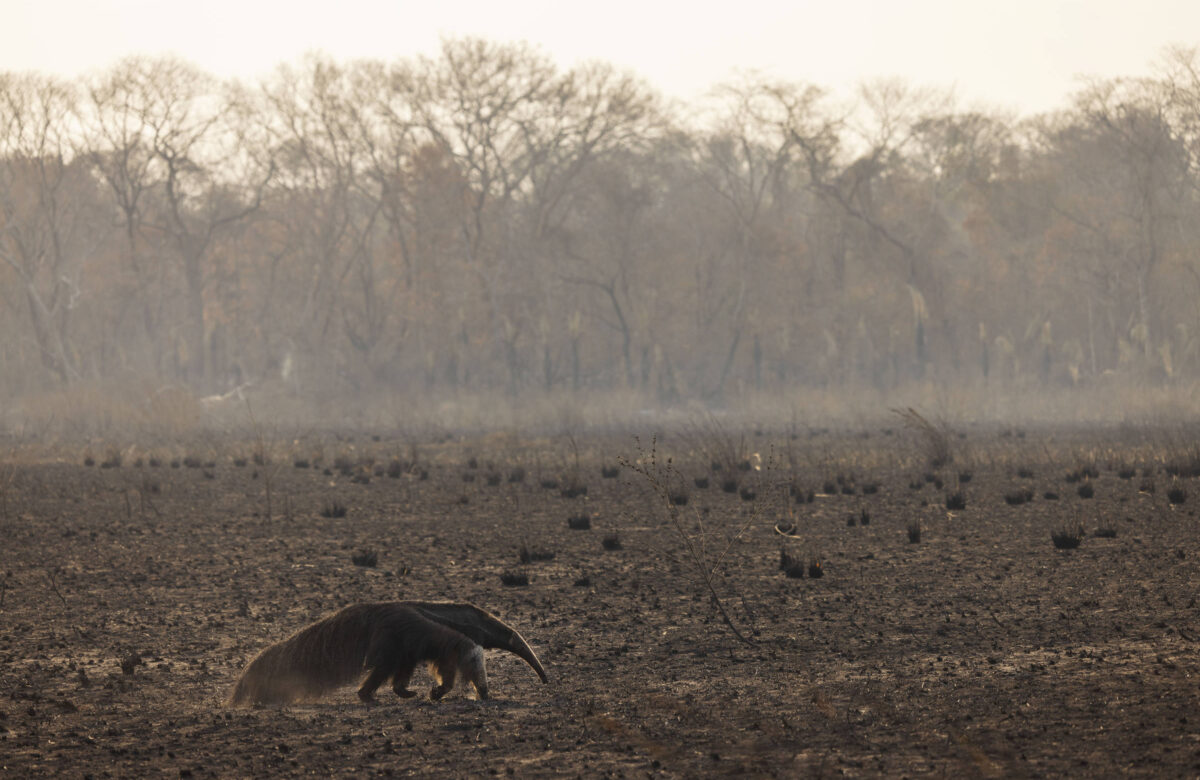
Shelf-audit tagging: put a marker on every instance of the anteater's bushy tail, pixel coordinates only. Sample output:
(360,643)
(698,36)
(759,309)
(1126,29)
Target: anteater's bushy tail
(312,662)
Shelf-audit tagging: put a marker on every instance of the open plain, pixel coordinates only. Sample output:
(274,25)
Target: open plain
(946,633)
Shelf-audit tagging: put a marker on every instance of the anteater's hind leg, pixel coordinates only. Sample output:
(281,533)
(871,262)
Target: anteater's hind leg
(400,682)
(378,676)
(386,659)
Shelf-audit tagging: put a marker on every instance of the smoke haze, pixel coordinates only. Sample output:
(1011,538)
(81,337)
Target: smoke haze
(485,236)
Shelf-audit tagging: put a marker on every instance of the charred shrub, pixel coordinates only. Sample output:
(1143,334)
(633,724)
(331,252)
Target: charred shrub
(610,472)
(914,532)
(1082,473)
(528,556)
(333,510)
(1086,490)
(1018,497)
(131,662)
(514,579)
(366,558)
(574,490)
(956,502)
(792,567)
(1177,495)
(579,522)
(611,542)
(1067,538)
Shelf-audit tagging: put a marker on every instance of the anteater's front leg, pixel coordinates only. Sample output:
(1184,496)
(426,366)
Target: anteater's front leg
(444,673)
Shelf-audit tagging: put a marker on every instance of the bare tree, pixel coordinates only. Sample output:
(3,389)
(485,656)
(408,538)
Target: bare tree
(483,104)
(1122,174)
(330,206)
(117,139)
(749,161)
(600,126)
(484,219)
(189,125)
(44,198)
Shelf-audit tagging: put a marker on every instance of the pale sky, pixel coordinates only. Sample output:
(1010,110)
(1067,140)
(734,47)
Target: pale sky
(1018,55)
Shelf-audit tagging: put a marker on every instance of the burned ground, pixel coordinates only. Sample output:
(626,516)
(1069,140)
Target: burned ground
(136,588)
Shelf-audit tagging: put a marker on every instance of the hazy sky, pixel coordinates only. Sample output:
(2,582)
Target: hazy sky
(1022,55)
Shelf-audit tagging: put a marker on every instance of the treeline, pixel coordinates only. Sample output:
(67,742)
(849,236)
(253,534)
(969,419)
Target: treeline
(486,221)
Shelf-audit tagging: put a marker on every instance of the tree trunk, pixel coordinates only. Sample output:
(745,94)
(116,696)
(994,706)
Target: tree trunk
(194,367)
